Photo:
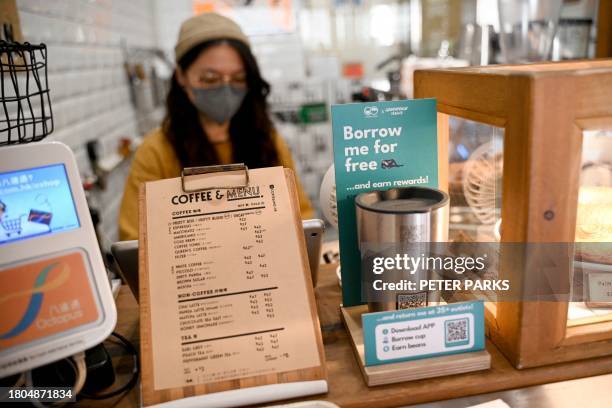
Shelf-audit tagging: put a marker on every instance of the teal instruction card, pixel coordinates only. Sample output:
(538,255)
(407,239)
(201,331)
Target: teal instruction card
(411,334)
(378,146)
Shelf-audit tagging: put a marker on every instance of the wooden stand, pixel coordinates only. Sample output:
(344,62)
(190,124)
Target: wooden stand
(409,370)
(258,388)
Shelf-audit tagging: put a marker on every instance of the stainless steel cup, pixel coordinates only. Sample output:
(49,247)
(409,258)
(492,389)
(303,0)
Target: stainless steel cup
(403,220)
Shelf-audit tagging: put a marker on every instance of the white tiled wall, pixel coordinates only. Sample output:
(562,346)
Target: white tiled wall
(90,93)
(88,85)
(169,16)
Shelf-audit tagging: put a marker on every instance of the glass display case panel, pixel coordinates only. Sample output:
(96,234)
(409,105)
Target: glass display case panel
(475,180)
(592,279)
(475,190)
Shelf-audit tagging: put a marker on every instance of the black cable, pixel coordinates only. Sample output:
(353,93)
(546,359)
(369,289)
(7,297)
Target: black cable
(131,383)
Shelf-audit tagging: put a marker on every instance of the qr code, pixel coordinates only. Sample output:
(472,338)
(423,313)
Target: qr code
(412,300)
(456,330)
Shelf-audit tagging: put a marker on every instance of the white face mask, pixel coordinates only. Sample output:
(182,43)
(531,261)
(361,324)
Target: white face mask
(219,103)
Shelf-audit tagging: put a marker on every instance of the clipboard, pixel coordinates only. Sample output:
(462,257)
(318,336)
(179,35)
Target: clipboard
(259,388)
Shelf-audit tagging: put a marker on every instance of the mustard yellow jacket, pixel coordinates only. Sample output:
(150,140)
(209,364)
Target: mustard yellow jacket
(155,159)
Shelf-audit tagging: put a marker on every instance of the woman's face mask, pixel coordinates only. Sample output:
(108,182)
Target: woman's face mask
(219,103)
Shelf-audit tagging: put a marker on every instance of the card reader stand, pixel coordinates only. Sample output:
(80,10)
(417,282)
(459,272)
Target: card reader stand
(52,275)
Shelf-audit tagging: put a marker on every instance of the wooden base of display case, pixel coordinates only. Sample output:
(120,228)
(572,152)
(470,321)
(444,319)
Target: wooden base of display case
(409,370)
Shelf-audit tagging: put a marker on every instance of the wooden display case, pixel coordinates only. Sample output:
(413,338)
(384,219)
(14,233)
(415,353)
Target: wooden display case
(543,110)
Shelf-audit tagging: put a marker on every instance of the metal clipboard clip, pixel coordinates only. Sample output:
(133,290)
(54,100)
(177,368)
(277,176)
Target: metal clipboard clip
(195,179)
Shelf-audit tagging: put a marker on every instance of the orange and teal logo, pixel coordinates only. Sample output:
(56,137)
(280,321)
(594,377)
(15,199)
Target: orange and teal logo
(42,284)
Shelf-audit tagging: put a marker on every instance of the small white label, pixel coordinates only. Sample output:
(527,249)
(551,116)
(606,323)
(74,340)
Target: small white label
(600,286)
(424,336)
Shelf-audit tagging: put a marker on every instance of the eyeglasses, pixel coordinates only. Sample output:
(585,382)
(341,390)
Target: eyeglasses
(211,78)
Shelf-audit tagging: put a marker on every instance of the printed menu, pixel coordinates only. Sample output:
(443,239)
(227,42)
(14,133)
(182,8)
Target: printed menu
(229,295)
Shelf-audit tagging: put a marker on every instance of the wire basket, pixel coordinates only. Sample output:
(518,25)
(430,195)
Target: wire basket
(26,114)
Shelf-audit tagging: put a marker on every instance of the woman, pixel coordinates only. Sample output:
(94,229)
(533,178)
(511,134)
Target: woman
(216,114)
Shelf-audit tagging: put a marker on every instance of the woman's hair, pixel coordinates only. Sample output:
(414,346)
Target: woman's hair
(250,129)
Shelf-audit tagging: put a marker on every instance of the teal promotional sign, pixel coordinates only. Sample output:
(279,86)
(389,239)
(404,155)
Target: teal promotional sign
(377,146)
(411,334)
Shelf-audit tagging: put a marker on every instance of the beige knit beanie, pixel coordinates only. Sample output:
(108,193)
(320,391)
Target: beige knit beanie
(206,27)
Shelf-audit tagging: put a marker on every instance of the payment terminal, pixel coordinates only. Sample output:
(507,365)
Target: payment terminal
(55,298)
